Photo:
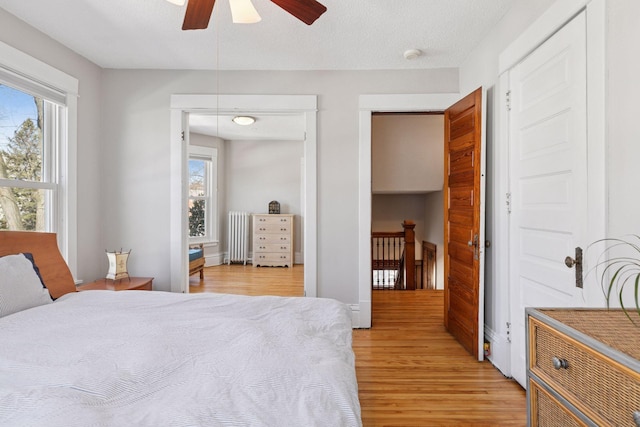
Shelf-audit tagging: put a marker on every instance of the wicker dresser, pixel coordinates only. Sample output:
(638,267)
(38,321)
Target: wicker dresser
(273,240)
(583,368)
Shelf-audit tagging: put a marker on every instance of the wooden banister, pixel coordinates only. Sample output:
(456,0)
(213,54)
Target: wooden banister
(394,251)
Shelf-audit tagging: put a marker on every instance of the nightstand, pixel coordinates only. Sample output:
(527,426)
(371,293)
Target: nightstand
(131,284)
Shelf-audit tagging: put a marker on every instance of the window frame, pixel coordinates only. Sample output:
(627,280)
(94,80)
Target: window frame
(209,155)
(49,173)
(28,74)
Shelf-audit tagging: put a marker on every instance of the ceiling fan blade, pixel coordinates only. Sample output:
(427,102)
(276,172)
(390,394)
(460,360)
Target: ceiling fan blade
(305,10)
(198,14)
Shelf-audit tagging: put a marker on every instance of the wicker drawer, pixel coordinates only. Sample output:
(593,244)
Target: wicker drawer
(547,411)
(604,390)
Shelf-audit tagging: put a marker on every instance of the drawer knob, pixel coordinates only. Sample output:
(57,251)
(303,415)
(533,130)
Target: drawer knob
(636,418)
(559,363)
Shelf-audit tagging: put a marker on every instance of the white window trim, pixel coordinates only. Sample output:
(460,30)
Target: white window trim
(212,226)
(37,72)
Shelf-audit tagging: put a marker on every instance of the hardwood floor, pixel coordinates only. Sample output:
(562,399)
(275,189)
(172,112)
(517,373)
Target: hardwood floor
(411,372)
(249,280)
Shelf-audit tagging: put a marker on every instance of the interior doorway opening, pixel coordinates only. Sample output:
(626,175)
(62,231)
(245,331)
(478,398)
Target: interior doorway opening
(407,164)
(182,106)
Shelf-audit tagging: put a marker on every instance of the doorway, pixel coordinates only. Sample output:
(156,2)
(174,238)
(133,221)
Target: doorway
(370,104)
(256,164)
(408,181)
(184,105)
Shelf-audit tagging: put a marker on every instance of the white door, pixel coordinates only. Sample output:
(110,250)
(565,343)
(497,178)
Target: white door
(548,178)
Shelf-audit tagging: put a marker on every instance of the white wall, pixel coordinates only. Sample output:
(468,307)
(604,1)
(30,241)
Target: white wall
(136,128)
(257,172)
(623,134)
(92,263)
(388,212)
(407,153)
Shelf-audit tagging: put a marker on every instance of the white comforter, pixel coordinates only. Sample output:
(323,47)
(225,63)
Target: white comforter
(137,358)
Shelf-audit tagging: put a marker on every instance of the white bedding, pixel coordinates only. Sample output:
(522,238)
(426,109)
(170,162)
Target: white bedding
(138,358)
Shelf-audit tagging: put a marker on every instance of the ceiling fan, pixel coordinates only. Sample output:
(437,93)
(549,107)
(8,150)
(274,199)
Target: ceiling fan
(199,11)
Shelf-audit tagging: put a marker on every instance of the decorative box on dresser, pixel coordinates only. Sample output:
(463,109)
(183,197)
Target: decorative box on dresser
(272,240)
(583,368)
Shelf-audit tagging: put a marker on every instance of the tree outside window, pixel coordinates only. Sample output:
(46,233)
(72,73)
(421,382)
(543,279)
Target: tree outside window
(198,197)
(23,196)
(203,163)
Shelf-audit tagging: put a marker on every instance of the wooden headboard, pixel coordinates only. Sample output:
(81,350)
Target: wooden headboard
(44,247)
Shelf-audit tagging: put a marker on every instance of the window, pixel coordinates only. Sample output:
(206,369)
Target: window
(28,142)
(202,194)
(38,124)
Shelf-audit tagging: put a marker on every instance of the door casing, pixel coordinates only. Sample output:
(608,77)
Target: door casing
(368,104)
(181,106)
(551,21)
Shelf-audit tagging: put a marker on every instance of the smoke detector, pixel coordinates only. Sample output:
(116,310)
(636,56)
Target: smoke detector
(412,54)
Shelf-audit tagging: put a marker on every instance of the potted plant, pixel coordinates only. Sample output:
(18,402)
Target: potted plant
(618,268)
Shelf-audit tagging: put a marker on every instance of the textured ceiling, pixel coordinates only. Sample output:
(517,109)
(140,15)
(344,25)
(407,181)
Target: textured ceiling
(351,35)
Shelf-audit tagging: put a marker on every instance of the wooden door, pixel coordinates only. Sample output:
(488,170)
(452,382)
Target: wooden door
(429,259)
(548,179)
(464,222)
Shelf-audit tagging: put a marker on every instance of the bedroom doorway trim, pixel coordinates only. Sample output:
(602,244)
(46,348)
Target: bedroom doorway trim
(368,104)
(181,107)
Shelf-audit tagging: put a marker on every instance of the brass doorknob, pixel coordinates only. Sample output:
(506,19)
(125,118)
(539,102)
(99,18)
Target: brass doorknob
(569,262)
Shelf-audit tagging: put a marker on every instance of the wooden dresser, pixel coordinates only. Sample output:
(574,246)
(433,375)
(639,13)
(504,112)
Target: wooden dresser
(583,368)
(273,240)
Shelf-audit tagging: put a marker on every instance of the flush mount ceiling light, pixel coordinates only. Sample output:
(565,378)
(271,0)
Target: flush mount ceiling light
(177,2)
(412,54)
(244,120)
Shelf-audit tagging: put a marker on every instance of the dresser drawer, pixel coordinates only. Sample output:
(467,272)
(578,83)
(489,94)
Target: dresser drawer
(584,376)
(260,239)
(271,224)
(282,259)
(547,411)
(271,247)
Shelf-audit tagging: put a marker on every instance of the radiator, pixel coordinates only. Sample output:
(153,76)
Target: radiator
(238,247)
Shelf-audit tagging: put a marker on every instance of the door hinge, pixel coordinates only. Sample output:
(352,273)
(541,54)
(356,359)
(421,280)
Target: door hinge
(509,332)
(182,135)
(508,202)
(508,100)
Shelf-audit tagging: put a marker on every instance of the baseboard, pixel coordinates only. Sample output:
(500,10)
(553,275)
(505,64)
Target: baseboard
(355,315)
(500,355)
(213,259)
(360,315)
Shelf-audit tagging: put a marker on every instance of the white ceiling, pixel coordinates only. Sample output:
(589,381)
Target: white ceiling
(351,35)
(273,127)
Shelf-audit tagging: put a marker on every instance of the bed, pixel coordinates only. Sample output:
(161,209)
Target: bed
(196,260)
(103,358)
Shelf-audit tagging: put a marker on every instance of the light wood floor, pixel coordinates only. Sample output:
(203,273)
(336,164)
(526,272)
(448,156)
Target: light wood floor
(249,280)
(411,372)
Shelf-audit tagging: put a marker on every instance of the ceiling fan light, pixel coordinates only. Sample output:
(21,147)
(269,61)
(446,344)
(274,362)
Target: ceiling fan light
(244,120)
(243,12)
(177,2)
